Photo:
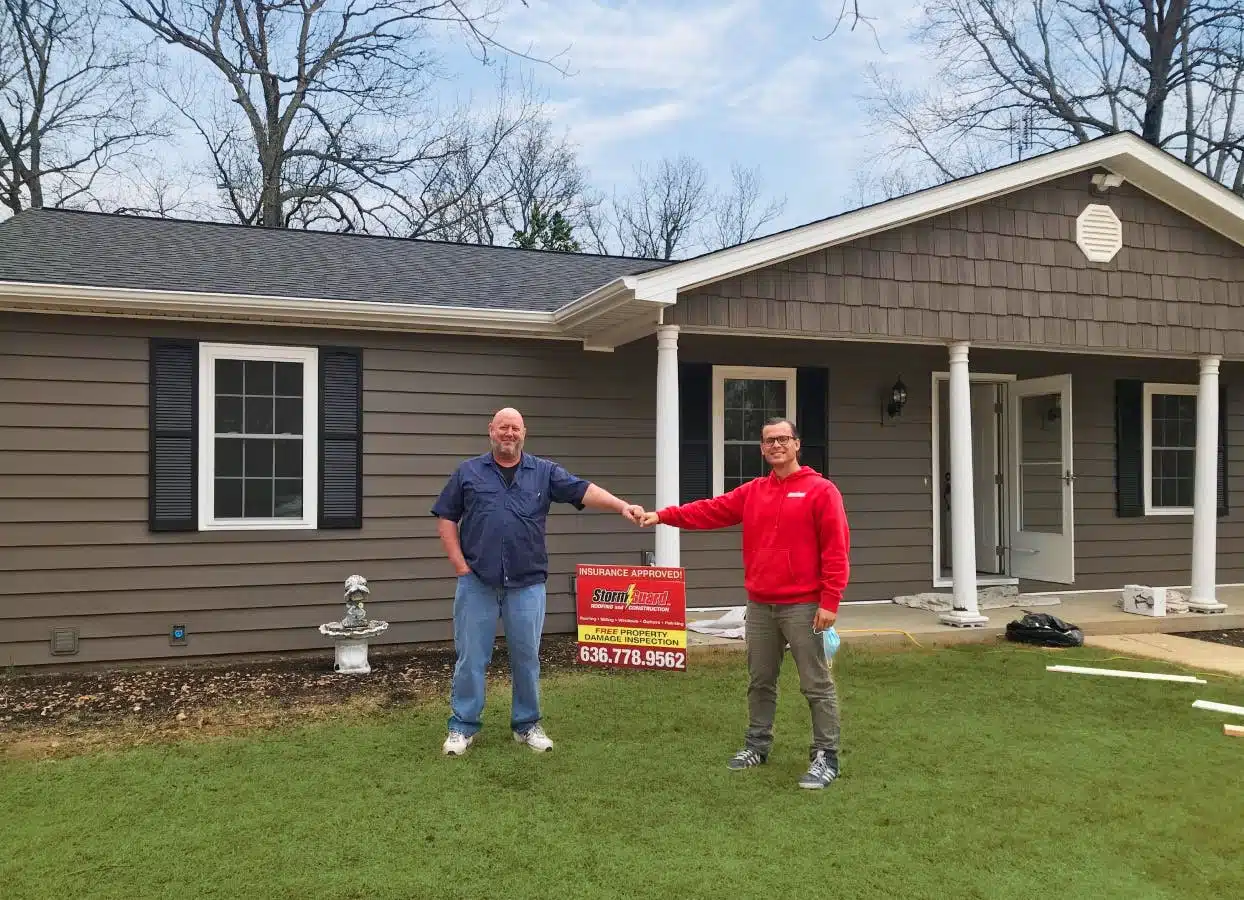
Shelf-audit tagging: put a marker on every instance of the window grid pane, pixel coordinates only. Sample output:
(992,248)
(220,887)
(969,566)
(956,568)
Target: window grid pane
(748,404)
(258,440)
(1173,453)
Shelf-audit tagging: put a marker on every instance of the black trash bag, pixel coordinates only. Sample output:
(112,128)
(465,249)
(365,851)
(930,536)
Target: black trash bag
(1044,630)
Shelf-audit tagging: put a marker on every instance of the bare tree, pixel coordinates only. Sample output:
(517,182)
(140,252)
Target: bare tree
(1017,76)
(656,220)
(538,170)
(532,169)
(325,117)
(849,12)
(70,110)
(598,230)
(459,199)
(872,187)
(739,213)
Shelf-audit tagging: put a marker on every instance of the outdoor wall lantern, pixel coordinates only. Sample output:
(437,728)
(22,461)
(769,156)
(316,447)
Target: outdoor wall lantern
(897,399)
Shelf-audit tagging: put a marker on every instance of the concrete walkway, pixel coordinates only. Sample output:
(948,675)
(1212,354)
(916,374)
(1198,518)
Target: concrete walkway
(1095,614)
(1199,656)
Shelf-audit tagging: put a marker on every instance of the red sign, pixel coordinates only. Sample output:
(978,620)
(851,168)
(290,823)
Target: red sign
(634,617)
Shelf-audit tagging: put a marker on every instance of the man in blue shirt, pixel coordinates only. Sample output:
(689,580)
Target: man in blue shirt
(492,515)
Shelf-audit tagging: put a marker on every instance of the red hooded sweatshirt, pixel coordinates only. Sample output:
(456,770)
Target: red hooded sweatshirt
(795,535)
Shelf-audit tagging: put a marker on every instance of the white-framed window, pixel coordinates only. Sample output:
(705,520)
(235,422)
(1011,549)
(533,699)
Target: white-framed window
(258,436)
(744,398)
(1170,448)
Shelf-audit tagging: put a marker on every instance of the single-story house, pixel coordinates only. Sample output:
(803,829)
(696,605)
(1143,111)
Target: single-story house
(1030,376)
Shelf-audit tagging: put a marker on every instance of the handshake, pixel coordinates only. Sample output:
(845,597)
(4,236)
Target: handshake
(636,514)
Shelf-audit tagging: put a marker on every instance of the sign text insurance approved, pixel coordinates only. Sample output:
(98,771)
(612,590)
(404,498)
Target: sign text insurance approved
(632,616)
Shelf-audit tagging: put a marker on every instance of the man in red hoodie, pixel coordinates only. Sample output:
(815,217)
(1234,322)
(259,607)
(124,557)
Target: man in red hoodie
(795,567)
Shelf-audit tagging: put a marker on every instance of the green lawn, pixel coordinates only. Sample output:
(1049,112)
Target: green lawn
(967,773)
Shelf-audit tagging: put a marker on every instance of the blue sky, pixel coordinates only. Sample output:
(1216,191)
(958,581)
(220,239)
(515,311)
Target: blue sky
(721,80)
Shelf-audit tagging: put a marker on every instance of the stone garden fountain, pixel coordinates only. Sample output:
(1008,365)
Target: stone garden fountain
(352,632)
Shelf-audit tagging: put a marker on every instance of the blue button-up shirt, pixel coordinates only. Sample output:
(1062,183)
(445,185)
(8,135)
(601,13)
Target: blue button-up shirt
(500,527)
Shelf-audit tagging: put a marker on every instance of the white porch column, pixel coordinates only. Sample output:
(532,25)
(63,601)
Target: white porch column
(965,611)
(1205,496)
(667,545)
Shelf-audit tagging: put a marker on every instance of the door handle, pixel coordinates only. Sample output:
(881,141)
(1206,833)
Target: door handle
(1024,550)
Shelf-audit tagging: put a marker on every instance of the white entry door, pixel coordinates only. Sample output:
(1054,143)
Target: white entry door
(1042,545)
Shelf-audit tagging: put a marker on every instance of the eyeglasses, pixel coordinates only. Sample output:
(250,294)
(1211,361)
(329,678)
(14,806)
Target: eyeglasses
(781,440)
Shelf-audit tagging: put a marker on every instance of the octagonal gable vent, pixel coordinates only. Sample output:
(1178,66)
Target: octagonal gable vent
(1099,233)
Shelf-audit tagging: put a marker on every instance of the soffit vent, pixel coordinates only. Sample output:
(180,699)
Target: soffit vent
(1099,233)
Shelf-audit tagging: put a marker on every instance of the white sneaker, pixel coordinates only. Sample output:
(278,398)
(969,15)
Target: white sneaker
(456,744)
(535,738)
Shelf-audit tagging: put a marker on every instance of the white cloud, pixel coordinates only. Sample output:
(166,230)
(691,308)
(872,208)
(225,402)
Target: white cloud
(591,133)
(722,80)
(785,96)
(638,46)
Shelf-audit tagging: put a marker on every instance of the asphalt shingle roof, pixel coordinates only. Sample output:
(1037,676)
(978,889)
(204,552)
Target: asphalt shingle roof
(98,250)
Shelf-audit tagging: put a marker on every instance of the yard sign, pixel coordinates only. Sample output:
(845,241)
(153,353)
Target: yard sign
(634,617)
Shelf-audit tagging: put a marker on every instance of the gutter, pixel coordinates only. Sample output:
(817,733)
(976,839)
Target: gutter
(362,314)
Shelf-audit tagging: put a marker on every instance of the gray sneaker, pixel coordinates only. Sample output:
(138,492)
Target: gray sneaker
(821,772)
(745,759)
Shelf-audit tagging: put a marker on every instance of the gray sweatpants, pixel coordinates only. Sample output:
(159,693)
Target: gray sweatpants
(770,626)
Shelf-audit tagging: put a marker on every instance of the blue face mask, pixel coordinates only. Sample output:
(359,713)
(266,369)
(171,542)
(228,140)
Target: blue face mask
(830,636)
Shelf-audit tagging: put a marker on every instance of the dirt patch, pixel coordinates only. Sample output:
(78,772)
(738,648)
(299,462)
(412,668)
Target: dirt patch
(1232,637)
(67,713)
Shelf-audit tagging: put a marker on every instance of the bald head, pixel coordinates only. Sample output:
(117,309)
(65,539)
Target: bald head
(508,414)
(507,434)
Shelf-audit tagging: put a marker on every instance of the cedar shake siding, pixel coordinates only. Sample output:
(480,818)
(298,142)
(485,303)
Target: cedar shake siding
(1006,272)
(76,548)
(883,471)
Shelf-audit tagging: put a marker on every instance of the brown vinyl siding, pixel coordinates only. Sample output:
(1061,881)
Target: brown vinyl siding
(883,471)
(77,552)
(1005,272)
(75,549)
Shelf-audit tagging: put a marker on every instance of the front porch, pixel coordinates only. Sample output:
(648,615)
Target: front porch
(885,624)
(963,467)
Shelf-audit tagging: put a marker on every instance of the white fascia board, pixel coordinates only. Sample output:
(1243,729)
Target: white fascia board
(28,297)
(1150,169)
(1195,195)
(599,300)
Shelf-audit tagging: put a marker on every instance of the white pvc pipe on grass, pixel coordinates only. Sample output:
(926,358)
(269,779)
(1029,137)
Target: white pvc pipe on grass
(1219,707)
(1120,673)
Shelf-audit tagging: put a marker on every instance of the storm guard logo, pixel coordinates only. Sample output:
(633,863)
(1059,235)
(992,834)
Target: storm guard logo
(631,597)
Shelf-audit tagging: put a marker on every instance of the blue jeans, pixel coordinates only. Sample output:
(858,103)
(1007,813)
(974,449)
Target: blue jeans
(477,606)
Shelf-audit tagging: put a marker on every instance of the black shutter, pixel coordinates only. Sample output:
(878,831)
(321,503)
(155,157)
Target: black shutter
(173,419)
(1224,505)
(1129,448)
(695,426)
(812,416)
(341,438)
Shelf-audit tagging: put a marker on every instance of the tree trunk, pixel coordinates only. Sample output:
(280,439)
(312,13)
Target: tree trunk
(31,175)
(271,210)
